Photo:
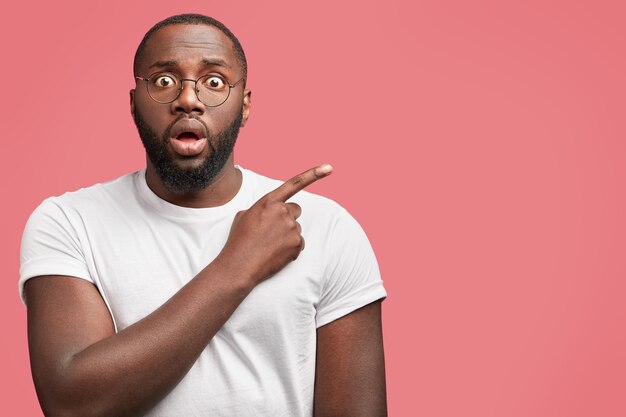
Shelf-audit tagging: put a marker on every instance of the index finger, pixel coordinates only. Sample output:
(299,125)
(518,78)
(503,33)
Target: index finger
(299,182)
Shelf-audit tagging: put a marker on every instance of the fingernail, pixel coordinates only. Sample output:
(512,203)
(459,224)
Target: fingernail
(323,169)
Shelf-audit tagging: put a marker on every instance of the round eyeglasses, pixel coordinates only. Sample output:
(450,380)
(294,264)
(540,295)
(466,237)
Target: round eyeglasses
(165,87)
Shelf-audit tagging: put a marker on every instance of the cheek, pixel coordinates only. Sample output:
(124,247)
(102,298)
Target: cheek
(219,118)
(153,114)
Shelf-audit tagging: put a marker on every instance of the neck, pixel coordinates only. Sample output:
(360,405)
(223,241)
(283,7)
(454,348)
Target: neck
(220,191)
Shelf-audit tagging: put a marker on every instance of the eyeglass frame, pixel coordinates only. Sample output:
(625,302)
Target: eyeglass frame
(180,89)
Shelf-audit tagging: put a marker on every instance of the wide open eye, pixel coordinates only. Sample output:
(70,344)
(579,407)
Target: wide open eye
(214,82)
(165,81)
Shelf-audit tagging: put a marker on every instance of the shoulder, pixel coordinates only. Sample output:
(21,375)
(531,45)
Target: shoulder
(96,197)
(98,204)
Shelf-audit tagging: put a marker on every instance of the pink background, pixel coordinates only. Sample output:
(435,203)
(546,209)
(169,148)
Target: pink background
(480,144)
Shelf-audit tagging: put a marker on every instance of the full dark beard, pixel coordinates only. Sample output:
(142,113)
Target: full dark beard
(186,180)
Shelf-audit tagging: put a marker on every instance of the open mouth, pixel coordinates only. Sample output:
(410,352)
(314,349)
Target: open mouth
(187,137)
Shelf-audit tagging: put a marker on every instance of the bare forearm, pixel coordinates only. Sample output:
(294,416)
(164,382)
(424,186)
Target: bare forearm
(130,371)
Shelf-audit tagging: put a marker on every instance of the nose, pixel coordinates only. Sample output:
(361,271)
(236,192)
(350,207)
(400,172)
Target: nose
(187,101)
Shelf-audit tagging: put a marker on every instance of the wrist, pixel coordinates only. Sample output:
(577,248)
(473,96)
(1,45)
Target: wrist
(233,273)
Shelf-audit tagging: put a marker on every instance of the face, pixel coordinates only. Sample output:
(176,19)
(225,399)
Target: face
(188,143)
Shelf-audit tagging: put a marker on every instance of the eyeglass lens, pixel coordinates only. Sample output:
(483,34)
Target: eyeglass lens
(165,87)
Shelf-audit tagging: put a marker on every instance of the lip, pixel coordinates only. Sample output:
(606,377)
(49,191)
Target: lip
(188,148)
(188,125)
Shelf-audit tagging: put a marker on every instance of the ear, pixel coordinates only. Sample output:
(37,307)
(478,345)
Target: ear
(132,102)
(247,102)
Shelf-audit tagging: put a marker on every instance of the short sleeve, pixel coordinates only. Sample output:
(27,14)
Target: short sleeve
(50,246)
(352,277)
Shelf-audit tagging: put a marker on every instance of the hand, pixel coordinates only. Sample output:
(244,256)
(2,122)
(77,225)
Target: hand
(266,237)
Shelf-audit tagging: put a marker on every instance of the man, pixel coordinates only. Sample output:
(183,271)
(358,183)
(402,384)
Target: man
(195,287)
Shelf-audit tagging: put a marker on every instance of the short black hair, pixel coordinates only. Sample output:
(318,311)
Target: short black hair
(193,19)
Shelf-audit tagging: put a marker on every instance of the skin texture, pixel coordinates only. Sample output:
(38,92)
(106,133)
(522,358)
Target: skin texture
(81,367)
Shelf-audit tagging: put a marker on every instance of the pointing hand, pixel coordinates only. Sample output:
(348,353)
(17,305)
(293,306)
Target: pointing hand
(267,236)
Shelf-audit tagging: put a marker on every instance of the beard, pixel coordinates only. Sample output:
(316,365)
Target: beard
(187,180)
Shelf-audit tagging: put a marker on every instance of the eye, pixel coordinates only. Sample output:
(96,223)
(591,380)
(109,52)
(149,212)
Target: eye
(214,83)
(165,81)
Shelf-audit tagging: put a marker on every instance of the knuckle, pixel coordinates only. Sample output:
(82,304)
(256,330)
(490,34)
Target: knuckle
(298,180)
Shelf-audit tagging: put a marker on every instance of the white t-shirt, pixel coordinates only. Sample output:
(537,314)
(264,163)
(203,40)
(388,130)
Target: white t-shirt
(139,250)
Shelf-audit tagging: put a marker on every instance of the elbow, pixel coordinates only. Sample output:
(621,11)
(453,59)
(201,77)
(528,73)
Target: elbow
(78,403)
(62,408)
(81,410)
(63,399)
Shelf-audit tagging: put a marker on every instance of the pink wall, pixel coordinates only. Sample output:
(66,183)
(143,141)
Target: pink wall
(480,144)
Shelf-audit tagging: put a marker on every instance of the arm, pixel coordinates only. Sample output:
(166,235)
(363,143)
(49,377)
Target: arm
(350,370)
(82,368)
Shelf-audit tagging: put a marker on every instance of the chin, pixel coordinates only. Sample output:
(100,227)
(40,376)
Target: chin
(189,163)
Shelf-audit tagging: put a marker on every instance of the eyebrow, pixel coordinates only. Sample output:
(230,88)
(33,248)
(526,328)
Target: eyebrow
(215,62)
(163,64)
(206,61)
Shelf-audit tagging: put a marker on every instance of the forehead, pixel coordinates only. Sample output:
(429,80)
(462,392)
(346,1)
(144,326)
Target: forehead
(189,46)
